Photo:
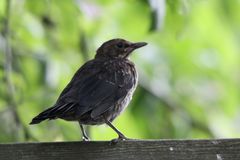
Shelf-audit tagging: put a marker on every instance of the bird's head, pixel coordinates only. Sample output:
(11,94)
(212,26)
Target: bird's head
(117,48)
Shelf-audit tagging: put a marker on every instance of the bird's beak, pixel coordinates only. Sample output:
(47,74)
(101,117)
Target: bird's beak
(138,45)
(134,46)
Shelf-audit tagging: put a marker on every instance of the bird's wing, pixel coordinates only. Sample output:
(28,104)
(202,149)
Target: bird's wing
(95,88)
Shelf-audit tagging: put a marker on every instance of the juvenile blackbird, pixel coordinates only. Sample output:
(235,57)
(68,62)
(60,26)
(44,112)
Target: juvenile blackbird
(100,90)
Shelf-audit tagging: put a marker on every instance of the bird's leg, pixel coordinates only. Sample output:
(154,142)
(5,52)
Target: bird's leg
(120,135)
(84,135)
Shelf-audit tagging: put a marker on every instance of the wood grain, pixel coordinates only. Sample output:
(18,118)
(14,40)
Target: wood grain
(221,149)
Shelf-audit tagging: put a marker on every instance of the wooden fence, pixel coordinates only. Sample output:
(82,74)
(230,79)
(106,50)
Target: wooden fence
(220,149)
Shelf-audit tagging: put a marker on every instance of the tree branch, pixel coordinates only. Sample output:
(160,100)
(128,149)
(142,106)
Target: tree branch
(10,97)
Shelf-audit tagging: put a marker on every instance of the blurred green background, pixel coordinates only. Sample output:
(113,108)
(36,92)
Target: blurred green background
(189,74)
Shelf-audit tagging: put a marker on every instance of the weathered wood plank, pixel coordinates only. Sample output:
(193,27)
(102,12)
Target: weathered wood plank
(222,149)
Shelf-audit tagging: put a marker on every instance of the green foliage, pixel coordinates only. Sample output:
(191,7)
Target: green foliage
(189,77)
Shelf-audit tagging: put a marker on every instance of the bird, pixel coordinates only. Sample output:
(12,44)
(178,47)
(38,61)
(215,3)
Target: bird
(100,89)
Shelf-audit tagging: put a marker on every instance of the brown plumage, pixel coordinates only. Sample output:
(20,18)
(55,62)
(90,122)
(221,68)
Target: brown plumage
(100,90)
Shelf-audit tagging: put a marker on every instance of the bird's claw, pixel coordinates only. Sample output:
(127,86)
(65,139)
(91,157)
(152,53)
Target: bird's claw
(120,138)
(85,139)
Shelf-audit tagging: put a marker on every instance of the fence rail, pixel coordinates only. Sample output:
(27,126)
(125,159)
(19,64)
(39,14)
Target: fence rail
(219,149)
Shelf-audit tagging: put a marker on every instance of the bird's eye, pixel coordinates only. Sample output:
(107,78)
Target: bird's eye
(120,45)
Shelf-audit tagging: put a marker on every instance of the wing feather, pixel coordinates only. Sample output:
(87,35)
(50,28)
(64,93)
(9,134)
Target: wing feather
(93,89)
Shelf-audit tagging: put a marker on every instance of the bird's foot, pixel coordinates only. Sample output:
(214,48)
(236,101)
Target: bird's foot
(85,138)
(120,138)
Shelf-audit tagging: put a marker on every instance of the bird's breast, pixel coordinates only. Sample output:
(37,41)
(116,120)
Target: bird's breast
(124,75)
(121,72)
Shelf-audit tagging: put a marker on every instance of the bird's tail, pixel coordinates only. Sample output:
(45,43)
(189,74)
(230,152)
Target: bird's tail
(43,116)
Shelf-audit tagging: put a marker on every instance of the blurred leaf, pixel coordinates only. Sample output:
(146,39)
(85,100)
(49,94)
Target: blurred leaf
(189,78)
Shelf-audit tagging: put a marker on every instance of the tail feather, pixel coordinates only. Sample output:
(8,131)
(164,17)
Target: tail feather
(57,111)
(43,116)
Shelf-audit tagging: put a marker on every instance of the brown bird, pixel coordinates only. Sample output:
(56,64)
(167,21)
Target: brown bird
(100,90)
